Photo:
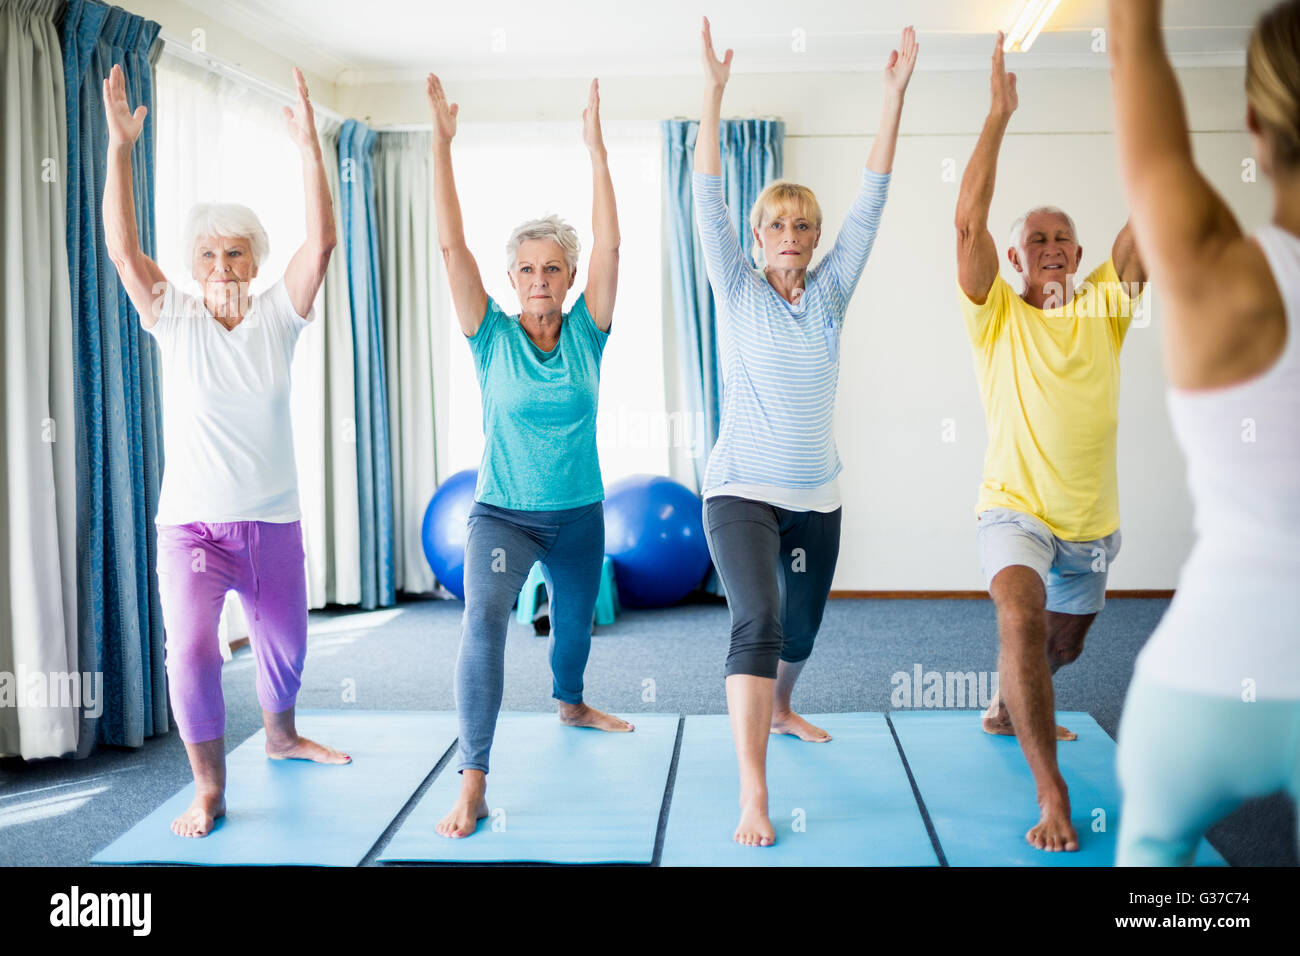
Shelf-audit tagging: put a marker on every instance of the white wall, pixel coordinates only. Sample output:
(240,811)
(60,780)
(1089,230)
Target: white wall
(231,46)
(906,364)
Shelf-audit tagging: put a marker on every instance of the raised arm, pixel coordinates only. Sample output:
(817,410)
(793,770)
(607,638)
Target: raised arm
(724,260)
(1222,302)
(708,154)
(1127,258)
(602,270)
(898,71)
(977,253)
(306,270)
(140,275)
(848,257)
(467,293)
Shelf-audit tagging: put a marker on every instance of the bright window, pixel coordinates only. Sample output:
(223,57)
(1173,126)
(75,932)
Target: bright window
(509,173)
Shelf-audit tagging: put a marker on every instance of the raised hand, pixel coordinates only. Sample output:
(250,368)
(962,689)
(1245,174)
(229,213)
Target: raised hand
(1005,99)
(444,115)
(300,117)
(718,71)
(591,134)
(123,126)
(898,71)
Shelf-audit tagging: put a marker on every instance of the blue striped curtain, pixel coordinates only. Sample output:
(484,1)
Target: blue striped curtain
(115,368)
(752,156)
(374,470)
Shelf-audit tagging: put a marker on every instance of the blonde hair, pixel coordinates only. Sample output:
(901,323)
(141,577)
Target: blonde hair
(780,196)
(1273,78)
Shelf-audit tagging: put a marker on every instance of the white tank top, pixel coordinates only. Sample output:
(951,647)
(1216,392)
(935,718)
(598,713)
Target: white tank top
(1233,628)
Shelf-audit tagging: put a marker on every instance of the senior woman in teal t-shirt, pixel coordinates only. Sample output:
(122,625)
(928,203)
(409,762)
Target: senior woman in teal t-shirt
(539,495)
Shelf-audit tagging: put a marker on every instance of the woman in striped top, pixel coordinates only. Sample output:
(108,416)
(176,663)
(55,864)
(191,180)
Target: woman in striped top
(772,503)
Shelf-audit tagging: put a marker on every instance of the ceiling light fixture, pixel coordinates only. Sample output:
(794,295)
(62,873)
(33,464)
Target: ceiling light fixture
(1028,25)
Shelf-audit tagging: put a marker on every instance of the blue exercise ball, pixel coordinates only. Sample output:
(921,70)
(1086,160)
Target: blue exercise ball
(654,533)
(444,532)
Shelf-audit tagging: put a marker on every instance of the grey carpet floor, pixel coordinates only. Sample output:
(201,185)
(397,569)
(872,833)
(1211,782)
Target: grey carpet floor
(55,812)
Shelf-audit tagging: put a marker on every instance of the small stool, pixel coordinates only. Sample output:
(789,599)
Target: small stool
(606,598)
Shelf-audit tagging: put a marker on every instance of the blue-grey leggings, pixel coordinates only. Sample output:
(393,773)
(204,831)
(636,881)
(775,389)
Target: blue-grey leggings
(776,566)
(503,545)
(1187,760)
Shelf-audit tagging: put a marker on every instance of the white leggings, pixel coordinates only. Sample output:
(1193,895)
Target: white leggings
(1186,760)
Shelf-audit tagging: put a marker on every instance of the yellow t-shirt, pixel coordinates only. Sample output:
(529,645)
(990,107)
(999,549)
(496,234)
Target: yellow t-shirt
(1049,381)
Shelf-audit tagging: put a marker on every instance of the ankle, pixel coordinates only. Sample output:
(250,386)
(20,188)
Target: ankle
(1054,793)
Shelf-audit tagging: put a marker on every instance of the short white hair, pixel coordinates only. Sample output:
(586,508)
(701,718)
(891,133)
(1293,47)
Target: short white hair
(226,219)
(548,227)
(1018,227)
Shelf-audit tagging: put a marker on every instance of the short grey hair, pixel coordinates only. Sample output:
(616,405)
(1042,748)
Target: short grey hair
(548,227)
(1018,227)
(226,219)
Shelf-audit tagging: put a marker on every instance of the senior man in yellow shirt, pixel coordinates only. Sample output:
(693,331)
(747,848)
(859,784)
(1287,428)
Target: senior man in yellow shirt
(1047,360)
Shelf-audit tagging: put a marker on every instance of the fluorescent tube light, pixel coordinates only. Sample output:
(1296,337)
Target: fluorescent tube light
(1028,25)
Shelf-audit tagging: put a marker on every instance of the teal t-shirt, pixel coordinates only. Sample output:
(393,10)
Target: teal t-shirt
(539,412)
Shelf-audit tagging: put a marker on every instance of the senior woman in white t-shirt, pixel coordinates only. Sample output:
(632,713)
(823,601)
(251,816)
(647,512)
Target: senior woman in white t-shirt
(228,514)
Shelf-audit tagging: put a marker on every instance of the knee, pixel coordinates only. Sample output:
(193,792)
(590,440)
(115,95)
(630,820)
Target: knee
(755,640)
(1065,649)
(798,647)
(757,622)
(1021,624)
(192,650)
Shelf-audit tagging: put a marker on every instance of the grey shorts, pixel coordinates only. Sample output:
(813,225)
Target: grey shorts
(1073,572)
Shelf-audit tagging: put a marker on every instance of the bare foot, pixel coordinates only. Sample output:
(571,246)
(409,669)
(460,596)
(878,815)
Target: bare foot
(201,816)
(997,721)
(754,829)
(470,807)
(580,715)
(301,748)
(791,723)
(1054,831)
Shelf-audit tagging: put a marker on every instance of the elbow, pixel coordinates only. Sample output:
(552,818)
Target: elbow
(969,224)
(118,255)
(324,251)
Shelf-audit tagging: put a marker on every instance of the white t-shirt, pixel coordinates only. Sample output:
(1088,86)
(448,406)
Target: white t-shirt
(227,436)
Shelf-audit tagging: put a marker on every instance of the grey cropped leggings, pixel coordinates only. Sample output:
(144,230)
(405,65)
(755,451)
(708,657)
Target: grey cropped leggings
(503,545)
(776,566)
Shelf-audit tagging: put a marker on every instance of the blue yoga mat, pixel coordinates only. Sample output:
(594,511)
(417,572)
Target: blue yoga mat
(300,813)
(979,792)
(843,803)
(556,794)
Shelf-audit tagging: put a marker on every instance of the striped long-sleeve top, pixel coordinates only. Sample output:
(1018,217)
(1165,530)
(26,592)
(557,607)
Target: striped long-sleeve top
(780,361)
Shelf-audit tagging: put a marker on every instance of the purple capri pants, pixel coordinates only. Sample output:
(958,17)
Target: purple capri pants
(197,564)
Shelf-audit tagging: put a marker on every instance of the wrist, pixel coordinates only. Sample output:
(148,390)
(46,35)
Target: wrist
(120,146)
(893,98)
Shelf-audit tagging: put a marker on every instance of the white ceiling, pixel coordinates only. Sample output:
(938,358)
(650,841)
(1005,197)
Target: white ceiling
(396,40)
